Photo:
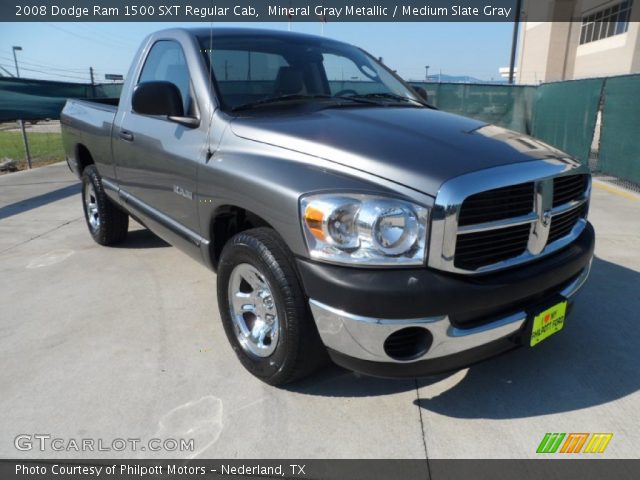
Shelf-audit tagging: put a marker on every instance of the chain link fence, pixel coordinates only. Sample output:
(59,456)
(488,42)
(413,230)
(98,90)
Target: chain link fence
(45,144)
(27,99)
(595,120)
(619,146)
(503,105)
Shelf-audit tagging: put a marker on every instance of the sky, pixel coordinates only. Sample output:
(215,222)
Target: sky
(65,51)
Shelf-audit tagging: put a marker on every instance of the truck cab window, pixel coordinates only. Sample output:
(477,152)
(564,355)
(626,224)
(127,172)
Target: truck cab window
(247,70)
(343,74)
(166,62)
(245,76)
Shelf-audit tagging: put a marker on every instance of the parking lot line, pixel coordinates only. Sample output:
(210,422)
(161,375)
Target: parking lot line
(621,192)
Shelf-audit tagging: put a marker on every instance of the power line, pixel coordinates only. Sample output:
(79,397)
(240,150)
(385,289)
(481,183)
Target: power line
(41,63)
(48,67)
(74,73)
(51,73)
(121,34)
(122,42)
(7,71)
(68,72)
(109,43)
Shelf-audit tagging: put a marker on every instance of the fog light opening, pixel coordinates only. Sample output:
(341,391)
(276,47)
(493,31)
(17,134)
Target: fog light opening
(408,344)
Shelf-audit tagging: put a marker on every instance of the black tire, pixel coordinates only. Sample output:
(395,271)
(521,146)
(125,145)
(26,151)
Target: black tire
(108,224)
(299,350)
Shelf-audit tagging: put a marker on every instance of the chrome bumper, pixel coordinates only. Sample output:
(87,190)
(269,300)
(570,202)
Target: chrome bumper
(364,337)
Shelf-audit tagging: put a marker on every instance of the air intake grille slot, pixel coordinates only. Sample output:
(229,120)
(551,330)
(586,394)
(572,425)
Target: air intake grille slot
(569,188)
(474,250)
(561,225)
(497,204)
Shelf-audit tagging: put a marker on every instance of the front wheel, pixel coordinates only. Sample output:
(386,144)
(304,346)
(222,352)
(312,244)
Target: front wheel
(264,310)
(106,222)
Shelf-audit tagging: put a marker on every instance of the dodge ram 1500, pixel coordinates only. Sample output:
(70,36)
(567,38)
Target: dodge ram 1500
(345,217)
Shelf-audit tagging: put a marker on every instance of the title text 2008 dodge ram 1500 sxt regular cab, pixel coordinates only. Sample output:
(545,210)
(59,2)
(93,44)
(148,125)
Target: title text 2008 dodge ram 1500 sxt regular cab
(342,217)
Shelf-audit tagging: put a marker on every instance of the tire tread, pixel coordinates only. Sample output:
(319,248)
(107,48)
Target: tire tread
(114,222)
(306,352)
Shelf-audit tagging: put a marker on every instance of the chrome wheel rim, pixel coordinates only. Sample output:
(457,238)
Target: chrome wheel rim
(91,206)
(253,311)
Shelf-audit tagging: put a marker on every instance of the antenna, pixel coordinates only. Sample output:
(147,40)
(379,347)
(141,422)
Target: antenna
(210,66)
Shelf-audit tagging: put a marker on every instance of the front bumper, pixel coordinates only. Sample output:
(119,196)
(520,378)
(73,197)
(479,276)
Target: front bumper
(468,319)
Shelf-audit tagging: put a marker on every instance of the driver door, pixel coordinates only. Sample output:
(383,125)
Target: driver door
(157,159)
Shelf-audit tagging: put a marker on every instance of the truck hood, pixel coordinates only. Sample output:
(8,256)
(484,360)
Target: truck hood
(416,147)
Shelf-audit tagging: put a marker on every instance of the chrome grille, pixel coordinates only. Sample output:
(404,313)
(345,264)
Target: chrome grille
(484,248)
(497,204)
(561,225)
(569,188)
(498,218)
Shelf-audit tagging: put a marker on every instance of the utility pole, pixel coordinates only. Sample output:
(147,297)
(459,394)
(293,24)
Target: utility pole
(20,122)
(514,41)
(93,83)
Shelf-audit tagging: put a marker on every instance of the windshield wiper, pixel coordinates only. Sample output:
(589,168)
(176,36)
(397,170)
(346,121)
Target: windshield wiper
(287,98)
(386,96)
(281,98)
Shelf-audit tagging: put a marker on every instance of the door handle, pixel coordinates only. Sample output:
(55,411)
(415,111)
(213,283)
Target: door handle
(126,135)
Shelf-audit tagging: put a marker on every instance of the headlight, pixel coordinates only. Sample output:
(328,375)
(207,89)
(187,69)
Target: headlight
(364,229)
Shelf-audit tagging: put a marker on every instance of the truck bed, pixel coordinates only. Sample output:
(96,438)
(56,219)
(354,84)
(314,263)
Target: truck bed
(88,122)
(104,101)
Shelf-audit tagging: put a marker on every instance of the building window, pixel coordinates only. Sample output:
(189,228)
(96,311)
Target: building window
(606,22)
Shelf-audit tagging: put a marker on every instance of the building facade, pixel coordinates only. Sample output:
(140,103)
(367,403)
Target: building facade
(603,40)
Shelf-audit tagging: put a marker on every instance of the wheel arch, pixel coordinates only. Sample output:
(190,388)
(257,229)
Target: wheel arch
(226,221)
(83,157)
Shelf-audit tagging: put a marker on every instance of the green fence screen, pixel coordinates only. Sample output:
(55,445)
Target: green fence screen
(565,115)
(27,99)
(562,114)
(504,105)
(620,133)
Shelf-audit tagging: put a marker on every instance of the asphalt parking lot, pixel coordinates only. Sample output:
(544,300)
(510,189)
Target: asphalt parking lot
(108,343)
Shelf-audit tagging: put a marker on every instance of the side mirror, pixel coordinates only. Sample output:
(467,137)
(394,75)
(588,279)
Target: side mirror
(157,98)
(161,98)
(422,93)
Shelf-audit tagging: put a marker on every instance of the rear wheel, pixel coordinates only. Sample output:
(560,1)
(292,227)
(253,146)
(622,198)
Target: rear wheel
(264,310)
(107,223)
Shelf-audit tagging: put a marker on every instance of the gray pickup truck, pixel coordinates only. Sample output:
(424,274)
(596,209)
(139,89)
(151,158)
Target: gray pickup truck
(344,216)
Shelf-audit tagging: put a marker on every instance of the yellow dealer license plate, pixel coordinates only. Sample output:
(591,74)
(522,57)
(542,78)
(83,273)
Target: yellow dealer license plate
(548,322)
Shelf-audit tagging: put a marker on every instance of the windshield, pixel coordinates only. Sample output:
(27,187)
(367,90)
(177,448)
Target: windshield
(251,71)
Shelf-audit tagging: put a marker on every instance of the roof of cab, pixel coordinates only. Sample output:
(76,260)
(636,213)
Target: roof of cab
(231,32)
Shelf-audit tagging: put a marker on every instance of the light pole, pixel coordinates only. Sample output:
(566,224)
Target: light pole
(15,59)
(20,122)
(426,76)
(514,42)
